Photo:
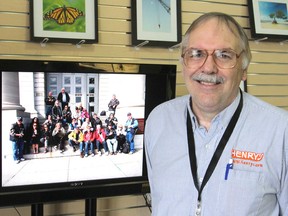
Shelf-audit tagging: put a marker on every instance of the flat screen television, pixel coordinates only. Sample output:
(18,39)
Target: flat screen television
(53,176)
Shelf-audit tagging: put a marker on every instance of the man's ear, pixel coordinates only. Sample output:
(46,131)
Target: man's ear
(244,75)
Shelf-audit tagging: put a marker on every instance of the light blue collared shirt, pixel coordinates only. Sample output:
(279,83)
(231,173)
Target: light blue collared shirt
(258,183)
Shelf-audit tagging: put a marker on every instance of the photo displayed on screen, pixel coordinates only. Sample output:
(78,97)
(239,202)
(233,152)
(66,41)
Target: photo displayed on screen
(71,127)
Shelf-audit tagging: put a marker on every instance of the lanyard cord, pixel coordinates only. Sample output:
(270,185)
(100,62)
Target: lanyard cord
(217,153)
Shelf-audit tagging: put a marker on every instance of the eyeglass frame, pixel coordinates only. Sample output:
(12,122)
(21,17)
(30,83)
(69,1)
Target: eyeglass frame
(211,54)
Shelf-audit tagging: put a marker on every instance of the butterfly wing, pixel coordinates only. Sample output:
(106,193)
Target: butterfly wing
(63,15)
(53,14)
(71,14)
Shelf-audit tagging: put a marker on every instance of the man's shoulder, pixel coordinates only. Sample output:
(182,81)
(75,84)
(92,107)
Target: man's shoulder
(173,110)
(261,107)
(173,105)
(13,125)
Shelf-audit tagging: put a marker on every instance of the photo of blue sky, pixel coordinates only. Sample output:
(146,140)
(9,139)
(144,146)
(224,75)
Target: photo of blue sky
(155,17)
(266,8)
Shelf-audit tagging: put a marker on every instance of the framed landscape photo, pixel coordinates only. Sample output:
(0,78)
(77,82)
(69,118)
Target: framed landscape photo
(64,21)
(268,18)
(156,22)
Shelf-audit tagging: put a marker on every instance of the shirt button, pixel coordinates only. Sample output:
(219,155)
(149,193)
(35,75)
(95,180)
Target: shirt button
(207,146)
(200,180)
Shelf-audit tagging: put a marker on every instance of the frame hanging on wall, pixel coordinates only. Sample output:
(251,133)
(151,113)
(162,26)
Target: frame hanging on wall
(157,23)
(268,18)
(64,21)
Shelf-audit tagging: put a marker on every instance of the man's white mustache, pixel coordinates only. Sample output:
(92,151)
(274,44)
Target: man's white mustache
(208,78)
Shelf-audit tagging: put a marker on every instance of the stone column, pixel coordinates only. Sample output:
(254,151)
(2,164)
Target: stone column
(11,108)
(27,93)
(10,91)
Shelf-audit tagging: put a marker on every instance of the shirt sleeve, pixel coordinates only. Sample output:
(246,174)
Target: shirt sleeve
(283,194)
(81,137)
(148,140)
(135,123)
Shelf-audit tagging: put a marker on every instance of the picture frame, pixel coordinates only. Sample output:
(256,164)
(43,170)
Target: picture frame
(156,23)
(64,21)
(268,19)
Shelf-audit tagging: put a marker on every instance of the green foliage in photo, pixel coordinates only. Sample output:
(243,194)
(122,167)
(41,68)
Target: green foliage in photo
(79,24)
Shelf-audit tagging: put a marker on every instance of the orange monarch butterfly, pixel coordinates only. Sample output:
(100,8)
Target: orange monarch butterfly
(63,15)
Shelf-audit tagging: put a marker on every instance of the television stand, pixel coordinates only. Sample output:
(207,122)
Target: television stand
(90,208)
(37,209)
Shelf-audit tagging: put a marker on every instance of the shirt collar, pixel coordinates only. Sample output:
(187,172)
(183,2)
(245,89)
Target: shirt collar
(223,117)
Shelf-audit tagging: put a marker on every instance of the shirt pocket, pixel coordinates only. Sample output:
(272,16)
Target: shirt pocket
(241,193)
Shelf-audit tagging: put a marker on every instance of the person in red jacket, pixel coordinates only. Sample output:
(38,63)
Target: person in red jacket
(101,139)
(89,138)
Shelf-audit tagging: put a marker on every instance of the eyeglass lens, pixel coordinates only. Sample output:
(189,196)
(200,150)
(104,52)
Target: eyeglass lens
(196,58)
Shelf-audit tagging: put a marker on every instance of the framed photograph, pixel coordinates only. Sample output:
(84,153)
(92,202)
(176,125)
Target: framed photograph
(156,22)
(64,21)
(269,19)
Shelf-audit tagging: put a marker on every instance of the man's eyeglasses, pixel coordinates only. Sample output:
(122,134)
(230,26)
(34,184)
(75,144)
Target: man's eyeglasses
(224,58)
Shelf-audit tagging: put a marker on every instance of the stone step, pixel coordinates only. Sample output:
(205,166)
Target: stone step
(52,152)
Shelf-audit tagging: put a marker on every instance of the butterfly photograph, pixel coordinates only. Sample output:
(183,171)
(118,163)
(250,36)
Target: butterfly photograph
(64,15)
(64,20)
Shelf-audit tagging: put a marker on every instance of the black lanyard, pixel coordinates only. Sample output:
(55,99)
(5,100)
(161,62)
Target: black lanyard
(216,155)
